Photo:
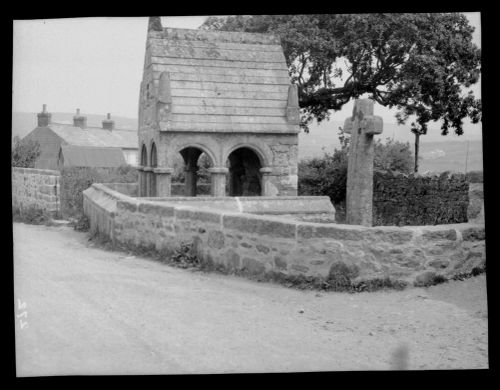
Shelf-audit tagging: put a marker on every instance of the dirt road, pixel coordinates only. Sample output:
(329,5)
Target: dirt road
(89,311)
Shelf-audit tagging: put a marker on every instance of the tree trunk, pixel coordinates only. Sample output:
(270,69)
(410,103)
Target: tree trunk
(417,141)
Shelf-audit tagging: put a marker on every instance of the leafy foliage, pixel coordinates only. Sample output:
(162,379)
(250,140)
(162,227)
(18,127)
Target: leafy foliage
(31,215)
(417,63)
(405,200)
(24,152)
(184,256)
(74,180)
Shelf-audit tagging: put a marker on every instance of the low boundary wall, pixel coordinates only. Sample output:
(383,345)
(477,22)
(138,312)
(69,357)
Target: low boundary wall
(37,188)
(261,244)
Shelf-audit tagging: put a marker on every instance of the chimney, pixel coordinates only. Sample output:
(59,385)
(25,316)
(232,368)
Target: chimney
(79,120)
(44,118)
(108,123)
(154,24)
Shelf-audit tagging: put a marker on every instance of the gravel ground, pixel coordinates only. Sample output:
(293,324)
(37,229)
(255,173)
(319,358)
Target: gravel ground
(90,311)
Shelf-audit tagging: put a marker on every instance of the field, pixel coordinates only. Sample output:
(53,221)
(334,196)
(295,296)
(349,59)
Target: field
(438,153)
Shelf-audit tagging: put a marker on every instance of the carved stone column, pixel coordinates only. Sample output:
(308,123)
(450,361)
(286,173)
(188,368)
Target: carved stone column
(148,171)
(141,183)
(190,180)
(163,181)
(218,177)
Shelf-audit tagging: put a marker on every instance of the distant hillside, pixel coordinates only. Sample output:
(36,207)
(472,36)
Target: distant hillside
(451,156)
(439,153)
(24,122)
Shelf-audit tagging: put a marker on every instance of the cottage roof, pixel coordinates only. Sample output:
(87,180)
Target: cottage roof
(219,81)
(91,156)
(95,136)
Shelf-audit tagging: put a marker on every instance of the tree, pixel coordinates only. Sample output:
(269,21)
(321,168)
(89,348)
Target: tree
(24,152)
(393,156)
(416,63)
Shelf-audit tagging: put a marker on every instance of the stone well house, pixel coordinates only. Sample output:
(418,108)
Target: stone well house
(51,136)
(225,94)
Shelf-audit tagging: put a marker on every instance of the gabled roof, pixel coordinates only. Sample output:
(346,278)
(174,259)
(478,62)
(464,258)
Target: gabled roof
(220,81)
(91,156)
(95,136)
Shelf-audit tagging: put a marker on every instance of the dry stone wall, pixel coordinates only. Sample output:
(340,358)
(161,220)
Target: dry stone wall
(37,188)
(266,244)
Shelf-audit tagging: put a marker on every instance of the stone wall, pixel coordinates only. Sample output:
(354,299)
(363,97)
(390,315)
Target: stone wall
(263,244)
(37,188)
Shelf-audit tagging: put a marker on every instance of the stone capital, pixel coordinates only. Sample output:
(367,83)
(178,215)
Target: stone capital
(218,170)
(147,169)
(163,170)
(140,167)
(266,170)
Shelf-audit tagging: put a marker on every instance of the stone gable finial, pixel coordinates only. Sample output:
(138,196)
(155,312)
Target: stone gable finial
(155,23)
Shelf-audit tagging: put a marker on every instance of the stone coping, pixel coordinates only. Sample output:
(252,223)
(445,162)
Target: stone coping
(257,204)
(36,171)
(302,230)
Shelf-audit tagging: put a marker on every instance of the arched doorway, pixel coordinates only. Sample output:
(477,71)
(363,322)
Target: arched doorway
(144,162)
(195,179)
(154,164)
(245,178)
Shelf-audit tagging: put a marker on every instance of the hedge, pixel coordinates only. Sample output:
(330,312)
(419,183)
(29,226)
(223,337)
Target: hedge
(401,200)
(74,180)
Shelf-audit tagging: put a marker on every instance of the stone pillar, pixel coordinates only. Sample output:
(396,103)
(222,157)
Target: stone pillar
(147,174)
(362,127)
(218,177)
(190,180)
(163,181)
(141,181)
(268,189)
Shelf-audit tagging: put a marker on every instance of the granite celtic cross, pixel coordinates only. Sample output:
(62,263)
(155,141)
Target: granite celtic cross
(362,126)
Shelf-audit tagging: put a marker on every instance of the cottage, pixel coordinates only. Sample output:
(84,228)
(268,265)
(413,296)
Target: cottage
(51,136)
(225,94)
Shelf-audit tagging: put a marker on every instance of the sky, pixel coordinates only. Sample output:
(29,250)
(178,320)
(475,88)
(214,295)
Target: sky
(95,64)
